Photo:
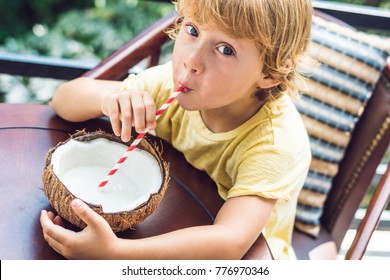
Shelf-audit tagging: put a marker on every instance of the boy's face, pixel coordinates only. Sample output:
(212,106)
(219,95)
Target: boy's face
(216,69)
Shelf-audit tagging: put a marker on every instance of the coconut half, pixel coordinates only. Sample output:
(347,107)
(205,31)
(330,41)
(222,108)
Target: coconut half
(76,167)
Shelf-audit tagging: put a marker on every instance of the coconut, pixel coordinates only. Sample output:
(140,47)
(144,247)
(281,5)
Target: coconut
(74,169)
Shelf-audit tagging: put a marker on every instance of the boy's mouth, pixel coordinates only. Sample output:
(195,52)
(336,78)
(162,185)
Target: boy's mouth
(185,89)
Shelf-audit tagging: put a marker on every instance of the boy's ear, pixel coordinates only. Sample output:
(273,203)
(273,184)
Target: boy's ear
(267,82)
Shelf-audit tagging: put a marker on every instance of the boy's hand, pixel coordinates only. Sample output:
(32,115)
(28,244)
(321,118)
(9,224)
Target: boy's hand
(132,108)
(80,245)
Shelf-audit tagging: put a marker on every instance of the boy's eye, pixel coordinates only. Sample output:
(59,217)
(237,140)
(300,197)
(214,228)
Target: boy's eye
(226,50)
(192,30)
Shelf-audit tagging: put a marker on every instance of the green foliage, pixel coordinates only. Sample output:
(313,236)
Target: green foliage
(17,17)
(92,32)
(69,29)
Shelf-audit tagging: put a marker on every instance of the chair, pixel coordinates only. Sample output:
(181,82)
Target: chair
(368,140)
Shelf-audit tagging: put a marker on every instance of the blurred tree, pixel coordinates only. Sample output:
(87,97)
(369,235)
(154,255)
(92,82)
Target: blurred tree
(92,32)
(84,32)
(19,16)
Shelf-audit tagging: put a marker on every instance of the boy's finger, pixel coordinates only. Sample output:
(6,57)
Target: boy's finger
(90,217)
(58,221)
(150,113)
(138,106)
(126,117)
(52,232)
(114,116)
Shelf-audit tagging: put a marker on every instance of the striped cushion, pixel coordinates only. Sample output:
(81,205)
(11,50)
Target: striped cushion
(332,102)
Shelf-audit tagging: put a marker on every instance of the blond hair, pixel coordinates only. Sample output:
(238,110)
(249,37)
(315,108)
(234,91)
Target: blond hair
(279,28)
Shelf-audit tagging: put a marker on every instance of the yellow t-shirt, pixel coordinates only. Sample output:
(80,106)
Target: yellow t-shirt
(268,155)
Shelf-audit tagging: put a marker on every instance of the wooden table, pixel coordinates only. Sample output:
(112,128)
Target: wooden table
(27,131)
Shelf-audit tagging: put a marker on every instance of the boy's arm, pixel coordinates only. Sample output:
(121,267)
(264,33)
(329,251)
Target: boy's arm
(84,98)
(80,99)
(237,226)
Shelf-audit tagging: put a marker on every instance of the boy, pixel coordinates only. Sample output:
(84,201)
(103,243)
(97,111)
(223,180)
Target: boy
(236,60)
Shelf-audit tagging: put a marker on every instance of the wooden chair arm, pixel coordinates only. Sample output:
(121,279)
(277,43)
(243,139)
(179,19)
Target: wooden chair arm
(370,221)
(375,208)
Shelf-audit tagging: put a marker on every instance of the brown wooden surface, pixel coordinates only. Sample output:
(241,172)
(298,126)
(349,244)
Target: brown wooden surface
(28,131)
(371,219)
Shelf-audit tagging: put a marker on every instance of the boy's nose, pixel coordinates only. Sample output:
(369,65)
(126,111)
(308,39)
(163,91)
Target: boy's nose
(194,62)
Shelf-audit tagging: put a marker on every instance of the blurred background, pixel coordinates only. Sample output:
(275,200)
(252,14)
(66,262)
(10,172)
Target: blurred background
(86,30)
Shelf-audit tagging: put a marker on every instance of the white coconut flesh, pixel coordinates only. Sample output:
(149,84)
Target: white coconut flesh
(82,165)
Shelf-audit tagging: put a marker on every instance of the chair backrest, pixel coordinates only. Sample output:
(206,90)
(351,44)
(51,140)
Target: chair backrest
(346,111)
(346,102)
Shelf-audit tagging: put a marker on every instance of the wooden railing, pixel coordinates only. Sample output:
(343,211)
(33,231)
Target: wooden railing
(356,15)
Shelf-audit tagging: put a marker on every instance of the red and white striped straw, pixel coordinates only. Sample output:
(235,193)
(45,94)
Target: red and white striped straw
(140,136)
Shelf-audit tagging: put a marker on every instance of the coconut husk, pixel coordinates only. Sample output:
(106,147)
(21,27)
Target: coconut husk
(60,197)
